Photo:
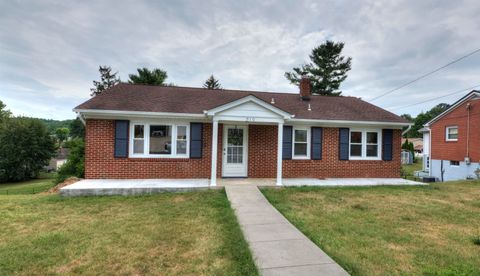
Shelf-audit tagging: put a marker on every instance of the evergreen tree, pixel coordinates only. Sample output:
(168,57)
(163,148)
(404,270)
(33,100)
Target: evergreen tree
(212,83)
(4,113)
(77,129)
(156,76)
(327,69)
(107,80)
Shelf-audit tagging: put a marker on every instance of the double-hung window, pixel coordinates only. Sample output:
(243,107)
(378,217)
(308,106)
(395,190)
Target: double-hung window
(365,144)
(301,145)
(159,140)
(451,133)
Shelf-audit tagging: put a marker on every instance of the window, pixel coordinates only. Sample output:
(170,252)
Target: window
(364,144)
(301,144)
(159,140)
(454,163)
(138,139)
(452,133)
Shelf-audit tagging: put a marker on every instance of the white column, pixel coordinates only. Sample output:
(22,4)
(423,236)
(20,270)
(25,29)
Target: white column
(213,176)
(279,154)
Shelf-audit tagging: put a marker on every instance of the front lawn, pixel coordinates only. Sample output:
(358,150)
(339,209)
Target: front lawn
(188,233)
(390,230)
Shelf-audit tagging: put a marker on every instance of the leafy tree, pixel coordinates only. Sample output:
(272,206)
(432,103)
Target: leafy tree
(4,113)
(26,147)
(152,77)
(327,69)
(52,125)
(77,129)
(212,83)
(62,134)
(424,118)
(107,80)
(75,165)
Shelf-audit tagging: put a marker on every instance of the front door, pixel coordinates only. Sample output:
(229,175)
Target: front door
(235,151)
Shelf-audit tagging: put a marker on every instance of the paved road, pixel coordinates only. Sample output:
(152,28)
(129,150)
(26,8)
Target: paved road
(278,247)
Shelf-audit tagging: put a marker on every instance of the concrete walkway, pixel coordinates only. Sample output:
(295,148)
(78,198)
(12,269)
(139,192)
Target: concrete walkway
(277,246)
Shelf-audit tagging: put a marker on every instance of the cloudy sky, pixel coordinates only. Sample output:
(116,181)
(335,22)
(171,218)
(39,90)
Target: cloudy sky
(50,50)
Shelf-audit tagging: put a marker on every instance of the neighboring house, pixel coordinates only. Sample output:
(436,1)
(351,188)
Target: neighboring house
(141,131)
(453,140)
(417,144)
(59,159)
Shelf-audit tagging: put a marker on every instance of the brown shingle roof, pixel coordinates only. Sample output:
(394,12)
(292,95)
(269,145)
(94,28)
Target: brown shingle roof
(133,97)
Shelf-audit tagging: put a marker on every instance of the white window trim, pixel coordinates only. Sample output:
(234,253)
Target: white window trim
(301,157)
(364,144)
(446,133)
(146,139)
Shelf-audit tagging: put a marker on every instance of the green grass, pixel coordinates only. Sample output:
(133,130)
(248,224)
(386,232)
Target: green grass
(383,230)
(170,234)
(410,169)
(43,183)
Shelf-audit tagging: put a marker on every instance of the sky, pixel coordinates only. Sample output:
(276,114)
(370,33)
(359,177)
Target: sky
(50,50)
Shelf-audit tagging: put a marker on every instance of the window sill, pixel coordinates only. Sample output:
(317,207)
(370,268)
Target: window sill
(300,158)
(159,156)
(364,158)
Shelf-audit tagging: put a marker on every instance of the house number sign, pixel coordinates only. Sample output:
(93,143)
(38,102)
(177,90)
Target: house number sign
(250,119)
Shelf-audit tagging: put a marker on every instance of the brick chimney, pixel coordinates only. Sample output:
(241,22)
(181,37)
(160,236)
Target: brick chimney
(305,88)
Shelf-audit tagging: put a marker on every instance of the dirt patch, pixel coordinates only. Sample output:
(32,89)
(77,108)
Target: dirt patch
(57,187)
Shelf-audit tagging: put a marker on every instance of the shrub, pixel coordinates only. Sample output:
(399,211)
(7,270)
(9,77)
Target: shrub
(75,165)
(25,148)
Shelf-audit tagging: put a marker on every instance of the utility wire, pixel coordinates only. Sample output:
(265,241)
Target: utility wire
(425,75)
(436,98)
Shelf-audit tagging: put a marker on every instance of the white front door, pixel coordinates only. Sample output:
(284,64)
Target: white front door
(235,151)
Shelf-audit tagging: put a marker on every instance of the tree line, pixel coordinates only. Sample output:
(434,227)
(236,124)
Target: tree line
(421,119)
(326,70)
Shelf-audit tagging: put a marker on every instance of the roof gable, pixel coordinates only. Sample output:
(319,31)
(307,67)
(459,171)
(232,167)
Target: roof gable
(249,106)
(472,95)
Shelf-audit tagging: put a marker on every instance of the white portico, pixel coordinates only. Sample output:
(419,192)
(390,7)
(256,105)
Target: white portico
(236,116)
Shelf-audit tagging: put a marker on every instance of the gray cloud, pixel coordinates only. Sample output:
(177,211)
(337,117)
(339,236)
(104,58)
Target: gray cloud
(50,50)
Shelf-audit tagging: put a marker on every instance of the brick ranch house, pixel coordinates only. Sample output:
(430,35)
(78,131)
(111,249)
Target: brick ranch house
(163,132)
(451,140)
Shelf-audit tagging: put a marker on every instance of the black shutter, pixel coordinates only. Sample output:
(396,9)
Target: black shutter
(387,144)
(317,138)
(344,148)
(196,140)
(287,143)
(121,139)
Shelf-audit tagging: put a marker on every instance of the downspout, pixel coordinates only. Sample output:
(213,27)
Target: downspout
(430,169)
(406,130)
(468,130)
(82,119)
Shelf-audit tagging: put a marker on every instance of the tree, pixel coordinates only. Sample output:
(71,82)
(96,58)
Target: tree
(62,134)
(77,129)
(4,113)
(26,147)
(212,83)
(107,80)
(327,69)
(152,77)
(75,165)
(425,117)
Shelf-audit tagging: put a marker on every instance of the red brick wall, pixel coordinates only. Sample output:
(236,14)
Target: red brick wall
(100,163)
(457,150)
(331,166)
(262,152)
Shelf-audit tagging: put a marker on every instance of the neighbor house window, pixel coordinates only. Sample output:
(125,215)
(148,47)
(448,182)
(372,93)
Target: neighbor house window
(454,163)
(365,144)
(301,144)
(159,140)
(452,133)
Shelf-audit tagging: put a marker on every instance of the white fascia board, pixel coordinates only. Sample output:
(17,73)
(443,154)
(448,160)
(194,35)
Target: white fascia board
(454,106)
(108,114)
(349,123)
(249,98)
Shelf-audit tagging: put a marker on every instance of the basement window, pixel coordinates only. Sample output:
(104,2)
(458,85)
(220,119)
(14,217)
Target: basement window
(454,163)
(451,133)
